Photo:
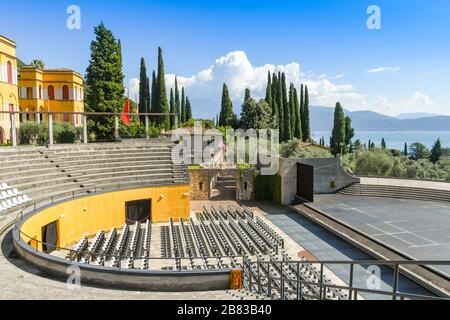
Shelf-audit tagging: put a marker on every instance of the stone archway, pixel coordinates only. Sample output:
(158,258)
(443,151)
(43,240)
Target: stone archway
(233,184)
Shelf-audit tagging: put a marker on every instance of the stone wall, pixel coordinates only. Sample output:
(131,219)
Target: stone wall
(245,186)
(329,176)
(200,182)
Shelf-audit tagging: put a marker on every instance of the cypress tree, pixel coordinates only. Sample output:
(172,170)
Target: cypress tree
(269,90)
(280,106)
(154,98)
(247,95)
(302,109)
(338,134)
(149,98)
(177,99)
(226,116)
(369,145)
(172,109)
(188,110)
(291,105)
(306,131)
(297,118)
(274,104)
(104,81)
(144,94)
(183,106)
(436,151)
(163,106)
(286,114)
(349,134)
(383,143)
(405,149)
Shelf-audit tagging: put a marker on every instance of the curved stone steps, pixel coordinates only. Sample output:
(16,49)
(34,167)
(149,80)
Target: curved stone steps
(396,192)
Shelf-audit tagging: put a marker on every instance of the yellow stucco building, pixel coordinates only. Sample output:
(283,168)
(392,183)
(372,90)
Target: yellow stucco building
(52,90)
(8,86)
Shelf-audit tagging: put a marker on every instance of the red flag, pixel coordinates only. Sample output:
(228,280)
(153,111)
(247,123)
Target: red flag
(126,117)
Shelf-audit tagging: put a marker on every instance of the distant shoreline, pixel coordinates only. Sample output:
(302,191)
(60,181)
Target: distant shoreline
(394,139)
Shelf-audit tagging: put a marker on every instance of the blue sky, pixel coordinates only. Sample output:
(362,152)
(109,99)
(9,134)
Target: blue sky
(325,44)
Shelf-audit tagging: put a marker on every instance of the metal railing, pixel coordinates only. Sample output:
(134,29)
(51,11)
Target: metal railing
(258,276)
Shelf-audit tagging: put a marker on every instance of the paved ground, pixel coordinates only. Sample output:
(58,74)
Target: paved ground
(324,245)
(19,281)
(421,229)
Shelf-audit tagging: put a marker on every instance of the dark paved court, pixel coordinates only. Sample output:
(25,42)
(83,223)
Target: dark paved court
(420,229)
(324,245)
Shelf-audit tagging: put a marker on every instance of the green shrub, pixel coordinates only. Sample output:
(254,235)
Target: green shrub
(64,133)
(377,163)
(267,188)
(30,132)
(294,149)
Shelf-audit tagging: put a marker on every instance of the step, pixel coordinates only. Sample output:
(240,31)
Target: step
(22,179)
(128,174)
(143,181)
(151,155)
(398,195)
(10,173)
(111,161)
(115,167)
(51,189)
(43,183)
(107,151)
(402,191)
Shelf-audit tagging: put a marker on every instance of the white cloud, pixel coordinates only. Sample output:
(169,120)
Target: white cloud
(418,102)
(235,69)
(383,69)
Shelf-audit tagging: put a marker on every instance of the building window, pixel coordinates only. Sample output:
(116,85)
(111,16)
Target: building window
(65,91)
(9,72)
(51,93)
(201,186)
(29,93)
(40,92)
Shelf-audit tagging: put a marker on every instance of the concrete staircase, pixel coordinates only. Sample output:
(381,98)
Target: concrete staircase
(396,192)
(63,170)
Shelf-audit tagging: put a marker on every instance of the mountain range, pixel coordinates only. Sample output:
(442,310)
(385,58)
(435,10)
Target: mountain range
(322,120)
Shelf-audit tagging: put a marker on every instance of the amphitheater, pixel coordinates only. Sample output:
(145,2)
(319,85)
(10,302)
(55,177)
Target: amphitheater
(119,216)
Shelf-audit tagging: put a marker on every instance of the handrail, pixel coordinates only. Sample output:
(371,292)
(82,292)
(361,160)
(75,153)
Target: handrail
(91,113)
(252,273)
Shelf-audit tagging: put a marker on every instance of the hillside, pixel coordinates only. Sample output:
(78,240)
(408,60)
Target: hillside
(322,120)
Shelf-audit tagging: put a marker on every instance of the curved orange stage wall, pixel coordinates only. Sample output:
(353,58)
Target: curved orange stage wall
(87,215)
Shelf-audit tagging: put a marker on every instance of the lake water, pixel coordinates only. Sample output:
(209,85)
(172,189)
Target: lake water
(394,140)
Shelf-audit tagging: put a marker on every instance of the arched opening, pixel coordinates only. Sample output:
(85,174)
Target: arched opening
(224,186)
(9,72)
(51,93)
(65,92)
